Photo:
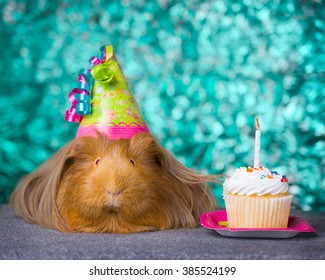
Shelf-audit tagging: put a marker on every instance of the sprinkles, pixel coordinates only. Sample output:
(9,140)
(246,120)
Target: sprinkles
(271,175)
(284,178)
(223,224)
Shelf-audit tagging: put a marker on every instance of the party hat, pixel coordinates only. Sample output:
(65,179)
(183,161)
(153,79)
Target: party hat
(103,100)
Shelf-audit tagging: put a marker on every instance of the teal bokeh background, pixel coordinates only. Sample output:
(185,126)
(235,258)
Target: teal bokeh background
(200,72)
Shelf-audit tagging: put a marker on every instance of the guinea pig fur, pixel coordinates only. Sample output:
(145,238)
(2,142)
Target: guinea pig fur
(94,184)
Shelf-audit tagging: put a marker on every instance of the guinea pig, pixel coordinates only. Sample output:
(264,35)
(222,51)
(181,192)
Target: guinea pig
(98,185)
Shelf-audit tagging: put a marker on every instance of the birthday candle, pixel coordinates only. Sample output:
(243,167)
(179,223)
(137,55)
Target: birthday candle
(257,144)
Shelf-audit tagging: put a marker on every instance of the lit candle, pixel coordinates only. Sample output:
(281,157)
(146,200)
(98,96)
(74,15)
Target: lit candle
(257,144)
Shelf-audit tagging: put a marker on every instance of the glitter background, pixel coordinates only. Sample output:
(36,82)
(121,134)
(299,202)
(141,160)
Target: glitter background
(199,71)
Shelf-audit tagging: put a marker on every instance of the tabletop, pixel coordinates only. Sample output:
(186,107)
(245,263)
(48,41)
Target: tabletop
(21,240)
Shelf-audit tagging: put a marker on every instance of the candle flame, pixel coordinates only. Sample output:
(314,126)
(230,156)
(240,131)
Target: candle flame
(257,123)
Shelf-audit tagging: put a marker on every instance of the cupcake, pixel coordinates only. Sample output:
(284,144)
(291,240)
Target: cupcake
(257,198)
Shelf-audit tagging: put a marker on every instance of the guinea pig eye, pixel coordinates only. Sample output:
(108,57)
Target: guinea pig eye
(97,161)
(132,161)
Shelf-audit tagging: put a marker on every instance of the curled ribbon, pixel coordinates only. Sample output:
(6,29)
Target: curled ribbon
(102,66)
(80,96)
(102,73)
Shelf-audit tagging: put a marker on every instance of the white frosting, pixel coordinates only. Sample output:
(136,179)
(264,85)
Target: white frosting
(258,182)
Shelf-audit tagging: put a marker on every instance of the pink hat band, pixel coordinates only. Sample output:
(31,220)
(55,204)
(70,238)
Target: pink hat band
(114,132)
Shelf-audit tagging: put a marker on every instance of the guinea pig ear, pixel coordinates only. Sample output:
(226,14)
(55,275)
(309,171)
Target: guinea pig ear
(191,187)
(186,175)
(34,198)
(145,148)
(185,191)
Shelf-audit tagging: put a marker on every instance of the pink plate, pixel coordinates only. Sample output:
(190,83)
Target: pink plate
(216,221)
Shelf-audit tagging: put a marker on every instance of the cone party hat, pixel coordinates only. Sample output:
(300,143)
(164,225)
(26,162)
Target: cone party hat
(104,102)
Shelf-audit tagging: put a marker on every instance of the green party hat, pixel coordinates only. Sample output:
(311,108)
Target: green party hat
(104,102)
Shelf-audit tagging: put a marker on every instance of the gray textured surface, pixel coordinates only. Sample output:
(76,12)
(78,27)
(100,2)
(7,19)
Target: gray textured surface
(20,240)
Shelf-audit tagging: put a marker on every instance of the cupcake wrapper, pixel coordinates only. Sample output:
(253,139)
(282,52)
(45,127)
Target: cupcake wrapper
(257,212)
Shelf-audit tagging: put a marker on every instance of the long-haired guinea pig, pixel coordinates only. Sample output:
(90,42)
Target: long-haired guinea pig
(120,186)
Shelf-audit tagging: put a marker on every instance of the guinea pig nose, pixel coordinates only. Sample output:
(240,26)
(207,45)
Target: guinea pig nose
(114,193)
(113,199)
